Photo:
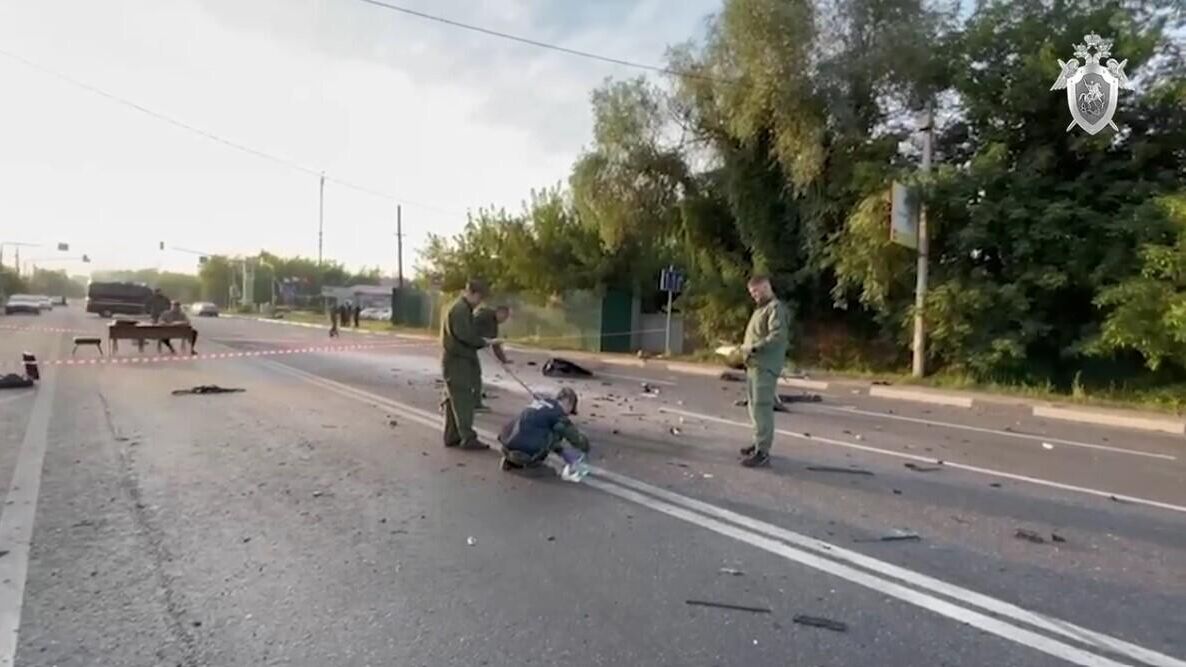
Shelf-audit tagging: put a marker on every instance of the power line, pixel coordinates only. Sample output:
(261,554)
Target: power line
(214,137)
(543,45)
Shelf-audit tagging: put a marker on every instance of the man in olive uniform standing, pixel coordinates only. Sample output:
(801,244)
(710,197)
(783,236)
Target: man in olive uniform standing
(487,321)
(461,369)
(765,350)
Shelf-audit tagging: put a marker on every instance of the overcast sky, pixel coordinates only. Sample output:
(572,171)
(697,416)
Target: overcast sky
(444,119)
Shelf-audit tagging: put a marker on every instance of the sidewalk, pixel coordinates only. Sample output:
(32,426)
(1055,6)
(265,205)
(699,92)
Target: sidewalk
(1123,418)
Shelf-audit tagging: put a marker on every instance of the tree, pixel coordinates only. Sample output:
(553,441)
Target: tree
(216,276)
(54,283)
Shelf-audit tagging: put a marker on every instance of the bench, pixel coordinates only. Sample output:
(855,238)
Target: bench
(117,331)
(87,340)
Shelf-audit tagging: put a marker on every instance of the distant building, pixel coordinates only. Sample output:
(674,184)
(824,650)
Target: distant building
(367,296)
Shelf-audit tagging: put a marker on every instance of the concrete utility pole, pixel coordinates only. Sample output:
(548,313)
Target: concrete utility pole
(320,217)
(924,247)
(399,243)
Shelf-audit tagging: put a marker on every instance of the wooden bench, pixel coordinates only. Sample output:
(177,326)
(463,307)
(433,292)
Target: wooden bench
(87,340)
(117,331)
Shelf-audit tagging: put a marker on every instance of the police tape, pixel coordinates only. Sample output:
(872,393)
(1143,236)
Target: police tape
(11,327)
(182,358)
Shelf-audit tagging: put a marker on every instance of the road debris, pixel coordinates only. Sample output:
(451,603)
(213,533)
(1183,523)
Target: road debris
(896,536)
(817,622)
(707,475)
(882,383)
(1047,445)
(960,520)
(731,377)
(392,423)
(207,389)
(675,431)
(800,398)
(725,605)
(995,485)
(649,389)
(557,367)
(1029,536)
(471,541)
(920,468)
(730,570)
(849,471)
(1055,537)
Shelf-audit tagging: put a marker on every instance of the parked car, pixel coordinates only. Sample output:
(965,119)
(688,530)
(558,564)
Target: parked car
(204,309)
(59,300)
(22,303)
(46,302)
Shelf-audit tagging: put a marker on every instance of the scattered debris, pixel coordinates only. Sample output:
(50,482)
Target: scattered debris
(995,485)
(920,468)
(557,367)
(532,363)
(960,520)
(1047,445)
(800,398)
(471,541)
(817,622)
(707,475)
(897,492)
(393,423)
(318,494)
(3,553)
(246,540)
(896,536)
(677,463)
(859,437)
(882,383)
(725,605)
(1115,499)
(649,389)
(733,571)
(615,431)
(14,381)
(731,377)
(675,431)
(850,471)
(741,402)
(207,389)
(1055,537)
(1029,535)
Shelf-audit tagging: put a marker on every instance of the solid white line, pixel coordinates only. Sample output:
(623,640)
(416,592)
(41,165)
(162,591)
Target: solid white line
(975,619)
(946,463)
(993,431)
(920,397)
(666,383)
(993,605)
(16,523)
(694,511)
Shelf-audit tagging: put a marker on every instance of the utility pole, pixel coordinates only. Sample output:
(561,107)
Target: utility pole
(924,247)
(399,243)
(320,217)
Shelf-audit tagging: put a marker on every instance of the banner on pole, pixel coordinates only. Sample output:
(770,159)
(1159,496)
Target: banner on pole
(904,216)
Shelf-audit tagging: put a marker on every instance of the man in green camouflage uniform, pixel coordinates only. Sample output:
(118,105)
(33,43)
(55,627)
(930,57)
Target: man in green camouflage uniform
(461,369)
(765,350)
(486,322)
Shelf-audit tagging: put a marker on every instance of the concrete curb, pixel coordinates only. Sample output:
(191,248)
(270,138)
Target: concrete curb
(1130,419)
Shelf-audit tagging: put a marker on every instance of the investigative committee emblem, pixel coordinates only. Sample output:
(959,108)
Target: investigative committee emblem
(1092,88)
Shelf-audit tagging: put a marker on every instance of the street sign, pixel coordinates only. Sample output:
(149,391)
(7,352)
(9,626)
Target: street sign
(904,216)
(671,280)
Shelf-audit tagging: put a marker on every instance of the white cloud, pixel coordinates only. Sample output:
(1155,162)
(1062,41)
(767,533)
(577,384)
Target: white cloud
(434,114)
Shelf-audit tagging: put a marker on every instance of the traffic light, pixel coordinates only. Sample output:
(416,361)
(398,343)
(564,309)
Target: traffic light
(86,259)
(162,245)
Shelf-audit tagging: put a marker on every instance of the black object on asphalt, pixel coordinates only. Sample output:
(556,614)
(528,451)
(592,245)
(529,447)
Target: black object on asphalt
(557,367)
(1055,537)
(917,468)
(726,605)
(850,471)
(731,377)
(1029,536)
(800,398)
(896,537)
(818,622)
(14,381)
(207,389)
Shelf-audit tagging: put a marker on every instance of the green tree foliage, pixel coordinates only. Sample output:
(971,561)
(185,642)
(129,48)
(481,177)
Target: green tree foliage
(54,283)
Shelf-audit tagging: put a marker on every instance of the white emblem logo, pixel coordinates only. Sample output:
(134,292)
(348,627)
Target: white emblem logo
(1092,89)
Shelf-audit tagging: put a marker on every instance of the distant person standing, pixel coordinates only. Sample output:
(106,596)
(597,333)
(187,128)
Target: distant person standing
(156,305)
(461,368)
(765,350)
(357,314)
(333,322)
(486,323)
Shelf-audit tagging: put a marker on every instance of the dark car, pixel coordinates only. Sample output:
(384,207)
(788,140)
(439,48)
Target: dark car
(22,303)
(109,299)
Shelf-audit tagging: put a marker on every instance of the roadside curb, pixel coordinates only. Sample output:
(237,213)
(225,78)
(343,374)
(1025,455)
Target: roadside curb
(1129,419)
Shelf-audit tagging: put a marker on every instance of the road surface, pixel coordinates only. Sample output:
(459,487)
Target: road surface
(315,519)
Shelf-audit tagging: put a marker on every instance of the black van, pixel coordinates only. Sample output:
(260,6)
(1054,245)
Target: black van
(109,299)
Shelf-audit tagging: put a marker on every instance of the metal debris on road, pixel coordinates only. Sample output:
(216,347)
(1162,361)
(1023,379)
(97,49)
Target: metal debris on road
(1029,536)
(850,471)
(1055,537)
(731,377)
(207,389)
(733,571)
(471,541)
(919,468)
(817,622)
(800,398)
(995,485)
(649,389)
(897,536)
(557,367)
(393,423)
(707,475)
(726,605)
(1047,445)
(675,431)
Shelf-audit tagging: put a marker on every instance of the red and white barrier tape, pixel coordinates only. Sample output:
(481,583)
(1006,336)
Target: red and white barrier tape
(124,361)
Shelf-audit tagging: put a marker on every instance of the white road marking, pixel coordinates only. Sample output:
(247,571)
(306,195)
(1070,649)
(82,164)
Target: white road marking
(993,431)
(666,383)
(949,464)
(16,522)
(10,399)
(824,556)
(920,396)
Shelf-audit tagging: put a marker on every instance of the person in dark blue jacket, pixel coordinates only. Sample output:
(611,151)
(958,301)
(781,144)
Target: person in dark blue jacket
(541,428)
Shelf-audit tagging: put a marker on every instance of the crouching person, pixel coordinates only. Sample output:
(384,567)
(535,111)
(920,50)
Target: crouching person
(542,428)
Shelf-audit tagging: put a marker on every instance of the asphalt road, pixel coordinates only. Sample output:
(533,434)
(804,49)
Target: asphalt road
(315,519)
